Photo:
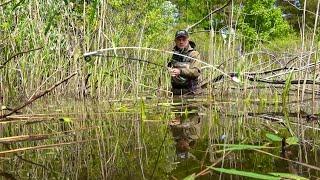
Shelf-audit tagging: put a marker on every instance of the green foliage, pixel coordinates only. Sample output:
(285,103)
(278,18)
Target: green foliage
(292,140)
(190,177)
(273,137)
(232,147)
(65,119)
(261,21)
(294,13)
(245,173)
(285,93)
(289,176)
(191,11)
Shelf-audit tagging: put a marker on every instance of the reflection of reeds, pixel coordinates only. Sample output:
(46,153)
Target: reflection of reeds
(128,138)
(119,137)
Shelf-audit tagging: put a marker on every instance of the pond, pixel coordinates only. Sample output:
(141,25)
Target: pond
(162,138)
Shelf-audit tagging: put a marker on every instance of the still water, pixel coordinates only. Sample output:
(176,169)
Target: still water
(146,138)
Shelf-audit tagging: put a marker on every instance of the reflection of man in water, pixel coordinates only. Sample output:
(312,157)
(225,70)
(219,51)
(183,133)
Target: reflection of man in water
(185,129)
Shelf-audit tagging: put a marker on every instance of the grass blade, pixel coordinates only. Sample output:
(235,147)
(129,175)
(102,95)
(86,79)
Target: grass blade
(245,173)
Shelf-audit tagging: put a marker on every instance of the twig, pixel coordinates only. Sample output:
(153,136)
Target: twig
(45,146)
(216,10)
(23,52)
(302,9)
(5,3)
(303,164)
(23,138)
(37,96)
(134,59)
(203,172)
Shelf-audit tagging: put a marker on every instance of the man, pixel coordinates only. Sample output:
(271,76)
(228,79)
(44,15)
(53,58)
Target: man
(184,71)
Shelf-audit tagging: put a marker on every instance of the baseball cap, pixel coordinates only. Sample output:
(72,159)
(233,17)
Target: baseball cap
(182,33)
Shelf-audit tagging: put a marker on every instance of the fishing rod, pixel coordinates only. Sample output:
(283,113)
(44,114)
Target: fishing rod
(128,58)
(207,65)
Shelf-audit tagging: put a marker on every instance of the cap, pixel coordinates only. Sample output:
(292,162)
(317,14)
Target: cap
(182,33)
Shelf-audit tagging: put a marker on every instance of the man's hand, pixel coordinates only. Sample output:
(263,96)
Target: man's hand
(174,72)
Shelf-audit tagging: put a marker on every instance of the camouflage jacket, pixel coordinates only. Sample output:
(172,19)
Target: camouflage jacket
(190,69)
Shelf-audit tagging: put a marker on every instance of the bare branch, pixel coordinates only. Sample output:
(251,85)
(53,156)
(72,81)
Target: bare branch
(5,3)
(212,12)
(37,96)
(18,54)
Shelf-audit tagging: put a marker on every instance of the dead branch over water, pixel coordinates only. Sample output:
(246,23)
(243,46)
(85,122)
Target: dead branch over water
(37,96)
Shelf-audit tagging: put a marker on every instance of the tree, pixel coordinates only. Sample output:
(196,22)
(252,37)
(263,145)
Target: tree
(262,21)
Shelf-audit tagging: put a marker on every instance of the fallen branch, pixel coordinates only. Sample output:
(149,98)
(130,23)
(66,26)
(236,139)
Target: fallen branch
(37,96)
(254,79)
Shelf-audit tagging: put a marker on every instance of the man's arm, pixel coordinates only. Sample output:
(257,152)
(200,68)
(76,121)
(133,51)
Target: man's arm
(193,71)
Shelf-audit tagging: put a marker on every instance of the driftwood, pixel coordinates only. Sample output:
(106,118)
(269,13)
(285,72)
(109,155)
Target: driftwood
(37,96)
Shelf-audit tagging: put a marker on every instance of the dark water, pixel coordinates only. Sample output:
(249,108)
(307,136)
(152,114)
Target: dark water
(157,139)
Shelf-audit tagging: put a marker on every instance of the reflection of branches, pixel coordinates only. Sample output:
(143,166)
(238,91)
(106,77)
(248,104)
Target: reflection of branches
(18,54)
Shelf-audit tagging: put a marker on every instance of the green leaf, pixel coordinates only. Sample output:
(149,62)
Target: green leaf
(143,110)
(245,173)
(231,147)
(273,137)
(190,177)
(289,176)
(292,140)
(66,119)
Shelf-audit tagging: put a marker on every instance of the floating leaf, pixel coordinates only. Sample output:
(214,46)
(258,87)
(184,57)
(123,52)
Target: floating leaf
(190,177)
(292,140)
(231,147)
(273,137)
(65,119)
(245,173)
(289,176)
(123,109)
